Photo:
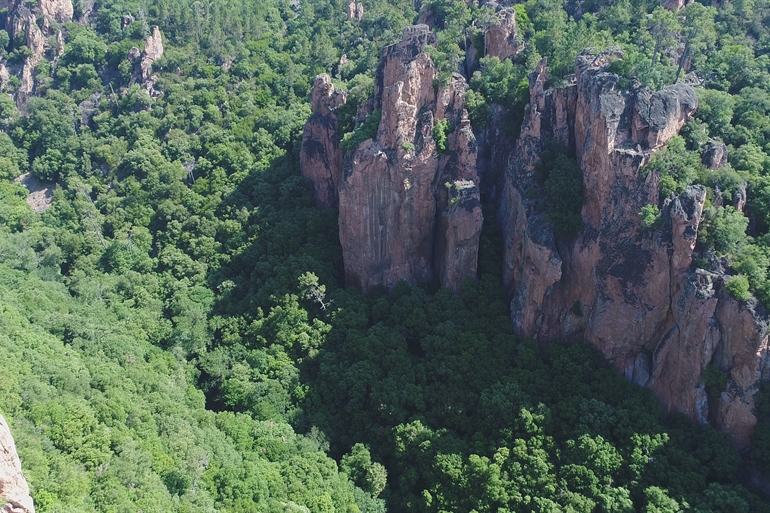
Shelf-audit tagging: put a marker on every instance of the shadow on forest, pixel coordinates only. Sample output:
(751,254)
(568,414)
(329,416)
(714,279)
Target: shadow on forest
(420,376)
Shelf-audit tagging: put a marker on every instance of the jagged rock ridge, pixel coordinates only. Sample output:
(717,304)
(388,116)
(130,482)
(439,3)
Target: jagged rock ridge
(14,491)
(629,290)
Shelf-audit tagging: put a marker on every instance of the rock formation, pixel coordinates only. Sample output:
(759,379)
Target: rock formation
(321,156)
(153,50)
(355,10)
(409,206)
(501,39)
(14,491)
(627,289)
(37,25)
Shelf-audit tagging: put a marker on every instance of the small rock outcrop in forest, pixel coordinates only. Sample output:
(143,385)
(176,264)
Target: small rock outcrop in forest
(408,199)
(143,61)
(14,491)
(37,26)
(321,156)
(629,290)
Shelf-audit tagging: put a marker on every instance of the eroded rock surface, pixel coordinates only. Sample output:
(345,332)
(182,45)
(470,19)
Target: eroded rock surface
(14,491)
(629,290)
(321,156)
(502,38)
(409,209)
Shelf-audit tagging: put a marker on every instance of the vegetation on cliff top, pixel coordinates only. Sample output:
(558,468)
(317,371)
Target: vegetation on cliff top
(168,342)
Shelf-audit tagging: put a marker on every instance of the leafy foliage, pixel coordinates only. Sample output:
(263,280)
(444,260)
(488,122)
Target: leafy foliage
(174,325)
(562,181)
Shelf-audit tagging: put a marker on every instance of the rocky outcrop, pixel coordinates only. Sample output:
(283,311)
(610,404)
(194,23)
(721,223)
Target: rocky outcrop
(14,491)
(628,289)
(409,204)
(144,60)
(37,24)
(714,154)
(321,156)
(501,38)
(355,10)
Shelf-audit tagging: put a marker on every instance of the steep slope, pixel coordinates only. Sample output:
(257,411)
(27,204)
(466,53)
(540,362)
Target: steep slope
(629,290)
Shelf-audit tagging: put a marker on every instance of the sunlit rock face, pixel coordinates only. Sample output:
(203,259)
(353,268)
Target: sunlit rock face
(409,203)
(629,290)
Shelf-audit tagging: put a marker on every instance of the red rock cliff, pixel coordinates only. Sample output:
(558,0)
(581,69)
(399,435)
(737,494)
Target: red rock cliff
(321,157)
(630,291)
(409,207)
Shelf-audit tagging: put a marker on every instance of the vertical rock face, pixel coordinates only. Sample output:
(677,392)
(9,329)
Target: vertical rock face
(321,157)
(502,38)
(628,289)
(14,491)
(398,219)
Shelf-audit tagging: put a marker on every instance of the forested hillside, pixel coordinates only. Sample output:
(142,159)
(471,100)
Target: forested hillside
(174,328)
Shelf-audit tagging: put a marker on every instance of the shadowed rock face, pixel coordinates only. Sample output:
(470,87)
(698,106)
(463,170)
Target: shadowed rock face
(14,491)
(321,157)
(629,290)
(398,219)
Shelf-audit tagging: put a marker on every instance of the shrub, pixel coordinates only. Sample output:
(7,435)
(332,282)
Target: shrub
(563,183)
(440,131)
(367,130)
(650,215)
(738,287)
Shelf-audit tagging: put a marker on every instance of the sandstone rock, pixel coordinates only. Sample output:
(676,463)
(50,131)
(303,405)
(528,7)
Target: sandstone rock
(675,5)
(14,491)
(628,290)
(660,115)
(359,11)
(321,157)
(501,39)
(459,230)
(59,43)
(5,76)
(126,20)
(397,219)
(153,50)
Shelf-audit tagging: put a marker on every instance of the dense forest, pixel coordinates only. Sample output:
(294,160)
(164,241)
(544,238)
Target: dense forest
(175,331)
